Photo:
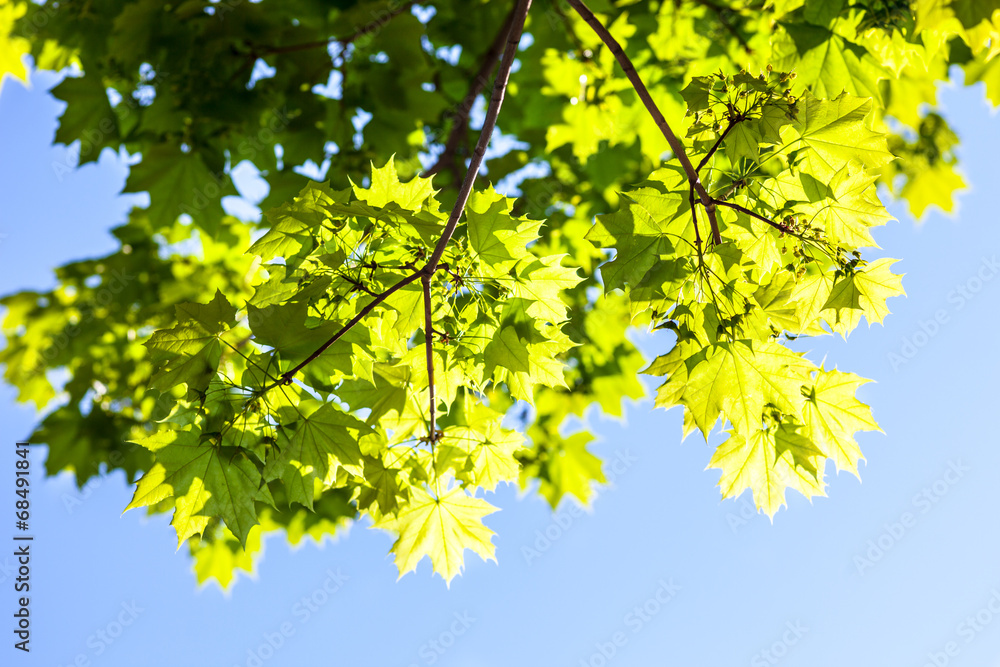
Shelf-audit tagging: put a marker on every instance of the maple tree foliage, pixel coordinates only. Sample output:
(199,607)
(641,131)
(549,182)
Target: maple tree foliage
(393,337)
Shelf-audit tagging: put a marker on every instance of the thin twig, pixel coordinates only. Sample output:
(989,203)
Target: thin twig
(694,218)
(379,298)
(429,347)
(718,142)
(640,88)
(742,209)
(367,29)
(461,120)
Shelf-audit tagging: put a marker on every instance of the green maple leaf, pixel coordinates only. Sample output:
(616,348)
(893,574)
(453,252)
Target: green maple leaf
(764,463)
(185,354)
(864,292)
(88,116)
(826,63)
(639,234)
(570,469)
(382,487)
(179,182)
(216,316)
(523,364)
(743,141)
(809,297)
(322,440)
(540,281)
(294,223)
(736,380)
(836,133)
(488,450)
(221,555)
(934,185)
(386,188)
(853,209)
(442,527)
(204,480)
(497,238)
(832,414)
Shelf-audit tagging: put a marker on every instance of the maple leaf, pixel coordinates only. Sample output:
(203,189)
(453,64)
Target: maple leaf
(864,292)
(321,441)
(441,526)
(764,462)
(203,480)
(487,450)
(832,415)
(639,231)
(736,380)
(853,209)
(836,132)
(497,238)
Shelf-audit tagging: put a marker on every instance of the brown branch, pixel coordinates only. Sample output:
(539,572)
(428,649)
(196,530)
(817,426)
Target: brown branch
(367,29)
(694,218)
(718,142)
(640,88)
(287,376)
(742,209)
(429,347)
(477,86)
(499,88)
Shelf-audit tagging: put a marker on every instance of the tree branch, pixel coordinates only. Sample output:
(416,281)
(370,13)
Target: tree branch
(640,88)
(499,88)
(742,209)
(287,376)
(366,29)
(478,84)
(429,347)
(718,142)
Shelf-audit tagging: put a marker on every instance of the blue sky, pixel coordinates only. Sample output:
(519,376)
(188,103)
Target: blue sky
(901,569)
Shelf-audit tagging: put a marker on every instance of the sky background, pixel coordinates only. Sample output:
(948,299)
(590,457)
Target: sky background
(738,584)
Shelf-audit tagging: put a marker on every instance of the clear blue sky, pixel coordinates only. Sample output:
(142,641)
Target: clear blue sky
(733,586)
